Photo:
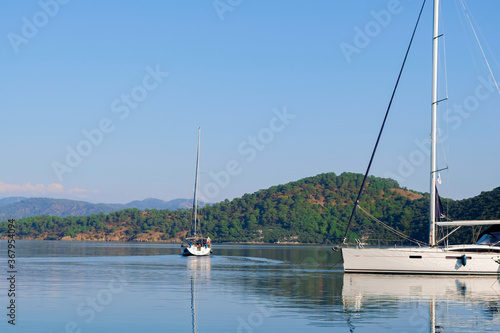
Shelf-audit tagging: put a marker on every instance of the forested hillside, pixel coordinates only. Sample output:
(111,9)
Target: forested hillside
(485,206)
(311,210)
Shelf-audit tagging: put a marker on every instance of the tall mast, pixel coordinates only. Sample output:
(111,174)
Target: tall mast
(435,46)
(195,200)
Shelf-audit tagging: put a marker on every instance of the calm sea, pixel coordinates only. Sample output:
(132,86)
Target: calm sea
(130,287)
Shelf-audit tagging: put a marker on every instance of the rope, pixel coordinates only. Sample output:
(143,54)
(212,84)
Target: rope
(391,229)
(383,124)
(466,11)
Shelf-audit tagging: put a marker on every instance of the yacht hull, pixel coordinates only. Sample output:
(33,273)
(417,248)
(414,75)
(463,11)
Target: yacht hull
(459,261)
(196,250)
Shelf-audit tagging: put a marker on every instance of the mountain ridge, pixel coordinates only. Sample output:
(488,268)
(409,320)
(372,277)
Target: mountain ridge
(21,207)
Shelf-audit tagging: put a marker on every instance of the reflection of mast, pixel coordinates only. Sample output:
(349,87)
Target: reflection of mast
(432,314)
(360,291)
(200,268)
(193,308)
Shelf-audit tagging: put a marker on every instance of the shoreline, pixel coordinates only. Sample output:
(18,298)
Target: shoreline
(177,242)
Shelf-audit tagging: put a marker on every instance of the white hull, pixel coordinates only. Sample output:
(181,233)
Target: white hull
(196,250)
(476,288)
(422,260)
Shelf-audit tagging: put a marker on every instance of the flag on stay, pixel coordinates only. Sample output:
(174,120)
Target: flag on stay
(439,206)
(439,179)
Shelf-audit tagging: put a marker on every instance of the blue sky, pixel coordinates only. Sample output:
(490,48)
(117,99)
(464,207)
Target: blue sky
(102,100)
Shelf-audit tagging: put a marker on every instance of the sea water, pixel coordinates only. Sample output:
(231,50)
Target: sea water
(144,287)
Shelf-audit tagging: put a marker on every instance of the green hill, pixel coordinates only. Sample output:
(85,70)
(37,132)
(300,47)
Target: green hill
(485,206)
(311,210)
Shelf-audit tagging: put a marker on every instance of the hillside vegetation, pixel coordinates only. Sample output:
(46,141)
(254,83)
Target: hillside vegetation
(311,210)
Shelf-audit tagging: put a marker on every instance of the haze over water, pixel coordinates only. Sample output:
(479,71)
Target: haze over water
(132,287)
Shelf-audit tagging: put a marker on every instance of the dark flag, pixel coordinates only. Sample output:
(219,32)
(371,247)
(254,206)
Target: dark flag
(439,207)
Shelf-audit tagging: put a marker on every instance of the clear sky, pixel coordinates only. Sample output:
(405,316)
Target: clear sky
(102,100)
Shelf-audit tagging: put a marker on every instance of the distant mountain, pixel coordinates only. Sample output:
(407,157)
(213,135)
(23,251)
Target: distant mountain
(19,207)
(152,203)
(11,200)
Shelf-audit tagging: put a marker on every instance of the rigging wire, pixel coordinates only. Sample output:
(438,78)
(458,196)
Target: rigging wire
(466,12)
(444,57)
(492,54)
(461,18)
(473,25)
(383,124)
(475,31)
(391,229)
(467,19)
(444,139)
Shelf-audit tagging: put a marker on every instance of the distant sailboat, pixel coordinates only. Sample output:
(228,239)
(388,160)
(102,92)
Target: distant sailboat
(196,244)
(480,258)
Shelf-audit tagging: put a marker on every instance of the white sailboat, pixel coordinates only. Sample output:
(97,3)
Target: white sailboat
(480,258)
(196,244)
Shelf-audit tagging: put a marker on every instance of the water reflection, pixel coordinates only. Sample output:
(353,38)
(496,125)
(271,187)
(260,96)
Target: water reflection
(238,289)
(424,303)
(199,268)
(35,248)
